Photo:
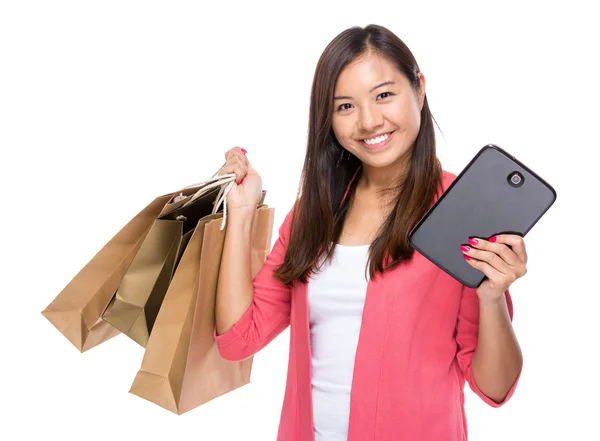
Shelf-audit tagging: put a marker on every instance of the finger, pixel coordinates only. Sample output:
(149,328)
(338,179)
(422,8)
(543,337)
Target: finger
(235,159)
(488,257)
(236,169)
(238,150)
(235,149)
(240,172)
(515,241)
(224,171)
(234,165)
(236,153)
(490,272)
(244,160)
(508,255)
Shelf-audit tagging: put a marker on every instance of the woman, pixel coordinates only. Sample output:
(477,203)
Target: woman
(377,356)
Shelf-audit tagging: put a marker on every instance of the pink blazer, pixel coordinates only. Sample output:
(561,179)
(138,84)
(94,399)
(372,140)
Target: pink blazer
(417,338)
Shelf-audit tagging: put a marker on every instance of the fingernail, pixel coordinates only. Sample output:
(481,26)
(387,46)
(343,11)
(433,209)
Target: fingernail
(465,249)
(473,241)
(493,239)
(242,180)
(244,151)
(466,257)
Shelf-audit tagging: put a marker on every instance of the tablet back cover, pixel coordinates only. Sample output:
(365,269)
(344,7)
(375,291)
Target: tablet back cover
(480,202)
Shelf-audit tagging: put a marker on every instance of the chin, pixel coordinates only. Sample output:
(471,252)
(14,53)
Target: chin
(384,159)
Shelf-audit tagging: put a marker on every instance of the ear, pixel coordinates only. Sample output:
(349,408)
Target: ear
(422,90)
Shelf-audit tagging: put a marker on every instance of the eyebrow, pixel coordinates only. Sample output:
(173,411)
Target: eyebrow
(385,83)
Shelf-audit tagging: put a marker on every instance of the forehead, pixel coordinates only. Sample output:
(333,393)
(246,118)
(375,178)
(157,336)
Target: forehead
(367,71)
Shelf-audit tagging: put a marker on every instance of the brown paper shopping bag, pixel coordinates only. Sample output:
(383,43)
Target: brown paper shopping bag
(182,368)
(76,311)
(136,303)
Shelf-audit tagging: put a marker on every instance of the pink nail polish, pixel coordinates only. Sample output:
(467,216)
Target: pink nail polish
(493,239)
(473,241)
(465,249)
(466,257)
(244,151)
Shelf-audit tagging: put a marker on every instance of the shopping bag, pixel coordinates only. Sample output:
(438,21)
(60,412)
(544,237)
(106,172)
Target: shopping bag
(182,368)
(137,300)
(77,310)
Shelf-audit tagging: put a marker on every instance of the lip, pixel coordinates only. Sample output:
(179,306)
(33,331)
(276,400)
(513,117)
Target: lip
(381,144)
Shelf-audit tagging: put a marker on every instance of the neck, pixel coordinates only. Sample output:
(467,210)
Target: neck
(374,179)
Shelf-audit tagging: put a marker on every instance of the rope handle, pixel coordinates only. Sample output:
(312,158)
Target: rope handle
(225,182)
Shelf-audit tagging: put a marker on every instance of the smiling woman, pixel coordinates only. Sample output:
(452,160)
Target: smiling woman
(382,340)
(368,103)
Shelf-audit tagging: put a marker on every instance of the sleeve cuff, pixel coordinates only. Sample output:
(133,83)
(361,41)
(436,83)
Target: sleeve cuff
(235,331)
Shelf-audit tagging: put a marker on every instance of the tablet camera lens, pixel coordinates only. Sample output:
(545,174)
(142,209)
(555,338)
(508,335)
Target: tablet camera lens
(515,179)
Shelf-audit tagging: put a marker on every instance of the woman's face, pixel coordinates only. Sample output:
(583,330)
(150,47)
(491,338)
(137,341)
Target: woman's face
(373,100)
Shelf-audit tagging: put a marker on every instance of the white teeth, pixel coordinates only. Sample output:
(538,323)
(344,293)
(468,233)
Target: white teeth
(376,140)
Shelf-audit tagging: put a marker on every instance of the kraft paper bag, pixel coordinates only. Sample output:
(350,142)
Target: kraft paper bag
(182,368)
(77,310)
(137,301)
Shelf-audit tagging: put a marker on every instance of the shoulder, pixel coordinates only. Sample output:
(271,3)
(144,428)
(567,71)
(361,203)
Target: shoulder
(447,179)
(286,224)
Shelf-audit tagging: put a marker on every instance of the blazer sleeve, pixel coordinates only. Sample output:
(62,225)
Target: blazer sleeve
(467,331)
(269,313)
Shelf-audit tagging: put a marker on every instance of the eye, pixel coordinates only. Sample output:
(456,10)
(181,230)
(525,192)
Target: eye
(383,93)
(341,107)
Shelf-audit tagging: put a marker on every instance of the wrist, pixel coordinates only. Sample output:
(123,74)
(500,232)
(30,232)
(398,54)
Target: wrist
(244,214)
(492,302)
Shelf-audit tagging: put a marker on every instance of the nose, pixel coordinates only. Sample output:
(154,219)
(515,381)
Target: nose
(369,119)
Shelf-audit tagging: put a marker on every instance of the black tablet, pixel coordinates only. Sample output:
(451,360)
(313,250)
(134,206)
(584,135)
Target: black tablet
(494,194)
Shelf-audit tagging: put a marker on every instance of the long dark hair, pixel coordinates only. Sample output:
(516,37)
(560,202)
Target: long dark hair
(319,214)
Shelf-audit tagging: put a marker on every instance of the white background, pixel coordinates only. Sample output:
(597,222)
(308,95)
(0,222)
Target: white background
(104,105)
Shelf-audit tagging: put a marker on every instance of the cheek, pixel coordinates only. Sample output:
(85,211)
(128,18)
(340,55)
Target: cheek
(406,117)
(342,129)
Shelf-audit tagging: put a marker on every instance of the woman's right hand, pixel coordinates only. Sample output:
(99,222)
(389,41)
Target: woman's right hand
(247,191)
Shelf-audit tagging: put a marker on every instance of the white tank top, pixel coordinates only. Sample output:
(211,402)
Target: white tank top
(336,297)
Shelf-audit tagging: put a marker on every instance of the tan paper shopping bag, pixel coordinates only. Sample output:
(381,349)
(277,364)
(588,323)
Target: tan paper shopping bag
(76,311)
(136,303)
(182,368)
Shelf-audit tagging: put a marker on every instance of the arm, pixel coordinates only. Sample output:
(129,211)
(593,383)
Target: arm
(498,359)
(489,354)
(250,313)
(234,287)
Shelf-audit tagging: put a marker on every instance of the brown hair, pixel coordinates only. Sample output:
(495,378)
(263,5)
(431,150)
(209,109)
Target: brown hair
(319,211)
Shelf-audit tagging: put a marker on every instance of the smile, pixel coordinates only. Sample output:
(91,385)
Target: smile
(377,142)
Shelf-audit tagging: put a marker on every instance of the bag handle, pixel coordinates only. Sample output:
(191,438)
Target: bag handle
(225,182)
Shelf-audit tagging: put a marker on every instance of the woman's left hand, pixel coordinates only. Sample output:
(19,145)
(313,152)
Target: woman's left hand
(501,264)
